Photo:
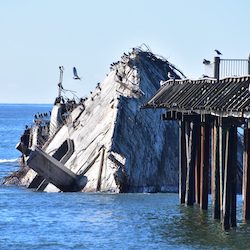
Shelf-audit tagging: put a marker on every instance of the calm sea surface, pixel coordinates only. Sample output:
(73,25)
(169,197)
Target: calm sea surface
(35,220)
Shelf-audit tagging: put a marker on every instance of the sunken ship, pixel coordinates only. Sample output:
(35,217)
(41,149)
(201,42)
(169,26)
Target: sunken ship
(105,142)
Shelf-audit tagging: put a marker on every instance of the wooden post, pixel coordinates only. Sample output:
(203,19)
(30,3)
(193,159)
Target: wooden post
(229,198)
(190,144)
(215,183)
(221,163)
(226,192)
(233,161)
(204,166)
(182,161)
(198,165)
(246,175)
(213,159)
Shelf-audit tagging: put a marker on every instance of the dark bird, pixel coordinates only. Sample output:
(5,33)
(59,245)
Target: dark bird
(98,86)
(76,77)
(60,85)
(119,78)
(205,76)
(206,62)
(218,52)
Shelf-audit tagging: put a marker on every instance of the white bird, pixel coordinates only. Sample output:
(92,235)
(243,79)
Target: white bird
(76,77)
(171,76)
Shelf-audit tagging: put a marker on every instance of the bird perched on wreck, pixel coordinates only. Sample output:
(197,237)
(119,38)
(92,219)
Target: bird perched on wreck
(171,76)
(218,52)
(76,77)
(206,62)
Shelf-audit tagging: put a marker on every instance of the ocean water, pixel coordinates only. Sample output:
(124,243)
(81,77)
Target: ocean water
(37,220)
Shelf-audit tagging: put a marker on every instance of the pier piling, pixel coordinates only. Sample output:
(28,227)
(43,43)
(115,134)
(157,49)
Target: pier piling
(204,166)
(182,162)
(198,165)
(215,173)
(191,131)
(246,175)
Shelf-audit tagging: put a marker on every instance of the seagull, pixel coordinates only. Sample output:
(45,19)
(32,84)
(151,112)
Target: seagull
(205,76)
(60,85)
(98,86)
(218,52)
(206,62)
(162,82)
(76,77)
(171,76)
(119,78)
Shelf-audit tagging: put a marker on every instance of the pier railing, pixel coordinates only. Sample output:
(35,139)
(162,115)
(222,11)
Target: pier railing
(222,68)
(234,67)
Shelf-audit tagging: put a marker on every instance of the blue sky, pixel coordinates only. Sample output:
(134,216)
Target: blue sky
(38,36)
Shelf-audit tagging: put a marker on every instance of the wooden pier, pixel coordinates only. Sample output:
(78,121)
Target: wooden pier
(209,113)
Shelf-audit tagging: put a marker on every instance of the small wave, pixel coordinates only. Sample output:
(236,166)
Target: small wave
(8,160)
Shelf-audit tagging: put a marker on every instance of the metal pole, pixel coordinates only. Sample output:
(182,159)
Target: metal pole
(217,67)
(60,81)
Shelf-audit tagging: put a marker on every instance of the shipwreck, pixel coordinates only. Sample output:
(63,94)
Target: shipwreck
(105,142)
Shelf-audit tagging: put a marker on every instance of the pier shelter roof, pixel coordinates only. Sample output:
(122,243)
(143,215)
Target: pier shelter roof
(225,97)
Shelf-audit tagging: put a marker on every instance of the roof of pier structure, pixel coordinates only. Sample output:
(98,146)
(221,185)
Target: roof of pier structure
(225,97)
